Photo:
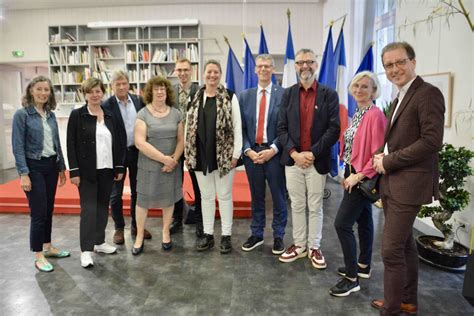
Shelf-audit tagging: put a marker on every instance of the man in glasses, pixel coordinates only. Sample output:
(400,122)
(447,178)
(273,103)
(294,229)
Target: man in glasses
(409,165)
(184,91)
(308,126)
(259,111)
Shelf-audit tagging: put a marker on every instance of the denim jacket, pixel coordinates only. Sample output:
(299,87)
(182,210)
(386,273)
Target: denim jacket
(27,138)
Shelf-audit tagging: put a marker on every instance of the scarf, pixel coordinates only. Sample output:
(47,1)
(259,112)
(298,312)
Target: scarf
(224,130)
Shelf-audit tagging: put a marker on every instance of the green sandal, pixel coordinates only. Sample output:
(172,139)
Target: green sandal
(48,267)
(58,254)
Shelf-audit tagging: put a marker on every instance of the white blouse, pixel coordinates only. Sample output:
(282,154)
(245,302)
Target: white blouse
(103,146)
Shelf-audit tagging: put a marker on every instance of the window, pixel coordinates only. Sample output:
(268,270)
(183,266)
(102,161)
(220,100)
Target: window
(384,34)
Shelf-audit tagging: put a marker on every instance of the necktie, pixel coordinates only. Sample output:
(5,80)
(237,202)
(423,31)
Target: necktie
(261,119)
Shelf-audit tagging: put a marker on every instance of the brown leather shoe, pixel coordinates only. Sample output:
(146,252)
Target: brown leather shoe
(118,237)
(406,308)
(146,233)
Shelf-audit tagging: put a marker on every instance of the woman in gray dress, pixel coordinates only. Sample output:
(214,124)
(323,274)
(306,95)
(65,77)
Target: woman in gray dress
(159,137)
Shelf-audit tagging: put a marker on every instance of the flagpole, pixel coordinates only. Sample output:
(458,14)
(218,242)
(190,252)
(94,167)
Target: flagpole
(343,18)
(226,40)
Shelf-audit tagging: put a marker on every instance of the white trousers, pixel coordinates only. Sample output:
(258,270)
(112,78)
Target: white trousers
(306,188)
(210,185)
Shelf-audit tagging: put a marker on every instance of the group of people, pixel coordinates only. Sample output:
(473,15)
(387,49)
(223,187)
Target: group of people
(282,136)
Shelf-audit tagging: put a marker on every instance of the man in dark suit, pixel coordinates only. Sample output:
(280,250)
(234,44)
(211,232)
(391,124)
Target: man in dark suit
(124,107)
(259,109)
(184,91)
(409,164)
(308,126)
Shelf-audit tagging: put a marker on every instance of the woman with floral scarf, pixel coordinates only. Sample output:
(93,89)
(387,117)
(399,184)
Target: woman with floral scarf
(212,148)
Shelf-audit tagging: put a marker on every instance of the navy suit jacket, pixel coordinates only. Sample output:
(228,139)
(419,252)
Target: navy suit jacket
(112,105)
(248,109)
(324,131)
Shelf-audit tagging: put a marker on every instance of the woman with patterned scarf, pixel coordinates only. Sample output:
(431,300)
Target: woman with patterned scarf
(212,148)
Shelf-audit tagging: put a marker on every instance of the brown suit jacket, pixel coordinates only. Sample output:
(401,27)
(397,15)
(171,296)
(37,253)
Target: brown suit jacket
(414,140)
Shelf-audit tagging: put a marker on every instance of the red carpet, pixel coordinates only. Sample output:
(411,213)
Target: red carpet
(13,199)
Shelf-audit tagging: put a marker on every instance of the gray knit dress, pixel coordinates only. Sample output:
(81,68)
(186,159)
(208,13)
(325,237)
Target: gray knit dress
(157,189)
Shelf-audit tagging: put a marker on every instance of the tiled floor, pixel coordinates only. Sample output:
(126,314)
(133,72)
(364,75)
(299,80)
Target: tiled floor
(185,282)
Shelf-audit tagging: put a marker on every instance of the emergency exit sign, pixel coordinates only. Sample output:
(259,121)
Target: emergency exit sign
(18,53)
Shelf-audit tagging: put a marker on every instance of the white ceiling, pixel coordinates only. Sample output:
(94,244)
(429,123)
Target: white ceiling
(58,4)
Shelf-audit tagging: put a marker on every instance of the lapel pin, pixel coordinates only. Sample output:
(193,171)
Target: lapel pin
(316,107)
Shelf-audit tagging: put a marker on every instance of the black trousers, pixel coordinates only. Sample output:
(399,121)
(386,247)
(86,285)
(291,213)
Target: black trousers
(95,196)
(179,206)
(116,202)
(44,179)
(355,208)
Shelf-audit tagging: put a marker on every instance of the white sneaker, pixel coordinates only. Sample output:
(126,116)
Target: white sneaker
(86,259)
(105,248)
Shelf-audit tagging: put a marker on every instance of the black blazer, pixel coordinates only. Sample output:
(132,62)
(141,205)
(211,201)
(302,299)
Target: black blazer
(81,147)
(112,105)
(324,131)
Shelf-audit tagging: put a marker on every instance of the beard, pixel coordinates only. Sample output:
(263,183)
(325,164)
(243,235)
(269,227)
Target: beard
(306,75)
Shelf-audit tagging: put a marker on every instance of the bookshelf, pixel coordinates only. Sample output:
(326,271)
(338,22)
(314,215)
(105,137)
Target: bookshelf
(77,52)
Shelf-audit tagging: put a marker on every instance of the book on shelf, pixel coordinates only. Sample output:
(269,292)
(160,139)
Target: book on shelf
(143,55)
(57,77)
(79,97)
(102,52)
(194,73)
(69,96)
(192,53)
(86,73)
(176,53)
(84,57)
(54,60)
(159,71)
(132,75)
(74,77)
(131,56)
(159,56)
(74,58)
(70,37)
(102,75)
(62,55)
(55,38)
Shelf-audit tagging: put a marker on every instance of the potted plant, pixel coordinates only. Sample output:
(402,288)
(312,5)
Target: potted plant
(454,169)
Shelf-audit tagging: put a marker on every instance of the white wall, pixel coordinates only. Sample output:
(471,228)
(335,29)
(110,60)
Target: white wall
(28,29)
(445,48)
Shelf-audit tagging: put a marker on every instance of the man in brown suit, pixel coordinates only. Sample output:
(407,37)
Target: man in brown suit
(409,165)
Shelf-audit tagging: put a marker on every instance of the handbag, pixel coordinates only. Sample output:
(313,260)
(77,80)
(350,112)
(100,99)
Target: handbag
(370,188)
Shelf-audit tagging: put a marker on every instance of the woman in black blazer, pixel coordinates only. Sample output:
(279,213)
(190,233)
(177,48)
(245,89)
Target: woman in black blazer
(95,161)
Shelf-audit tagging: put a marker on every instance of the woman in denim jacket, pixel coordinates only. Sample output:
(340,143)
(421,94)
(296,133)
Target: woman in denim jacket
(39,161)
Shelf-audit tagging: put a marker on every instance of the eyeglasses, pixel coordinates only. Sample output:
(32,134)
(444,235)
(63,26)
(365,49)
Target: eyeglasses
(183,70)
(307,62)
(264,66)
(398,63)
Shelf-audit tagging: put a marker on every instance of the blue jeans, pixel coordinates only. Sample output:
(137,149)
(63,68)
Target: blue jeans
(355,208)
(44,179)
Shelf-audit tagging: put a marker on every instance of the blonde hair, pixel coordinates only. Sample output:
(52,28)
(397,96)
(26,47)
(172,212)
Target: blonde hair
(372,77)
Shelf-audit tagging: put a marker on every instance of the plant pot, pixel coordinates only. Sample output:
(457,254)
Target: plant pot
(448,259)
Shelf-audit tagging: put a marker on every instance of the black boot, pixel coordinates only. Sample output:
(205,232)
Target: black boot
(205,242)
(176,226)
(226,244)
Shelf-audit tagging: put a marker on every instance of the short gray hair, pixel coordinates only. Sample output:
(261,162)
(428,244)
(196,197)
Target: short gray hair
(119,74)
(372,77)
(267,57)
